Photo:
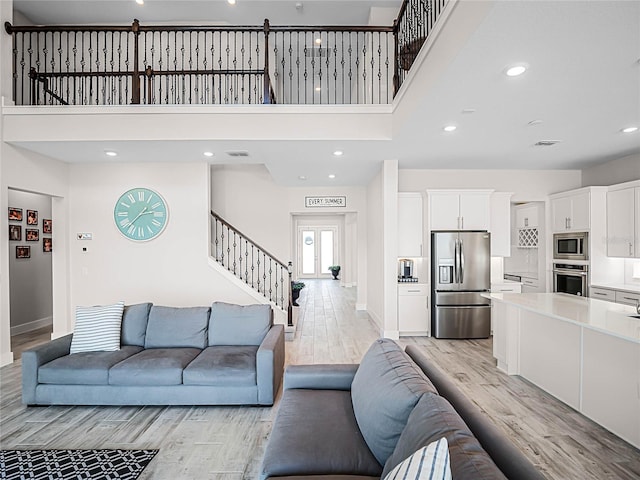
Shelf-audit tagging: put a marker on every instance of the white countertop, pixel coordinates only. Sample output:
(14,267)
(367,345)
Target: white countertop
(607,317)
(625,287)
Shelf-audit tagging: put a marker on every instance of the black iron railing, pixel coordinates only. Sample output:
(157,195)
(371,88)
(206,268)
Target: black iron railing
(252,264)
(412,27)
(138,64)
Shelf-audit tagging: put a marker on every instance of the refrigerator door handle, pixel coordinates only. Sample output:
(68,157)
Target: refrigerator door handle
(455,261)
(461,262)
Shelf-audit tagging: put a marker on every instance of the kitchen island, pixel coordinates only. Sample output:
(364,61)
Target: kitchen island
(583,351)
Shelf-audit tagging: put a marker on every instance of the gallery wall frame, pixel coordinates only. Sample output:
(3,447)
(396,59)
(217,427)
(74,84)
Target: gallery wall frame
(32,217)
(23,251)
(47,245)
(15,214)
(47,226)
(15,233)
(32,234)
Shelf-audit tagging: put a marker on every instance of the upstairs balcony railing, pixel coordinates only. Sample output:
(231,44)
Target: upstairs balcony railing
(172,65)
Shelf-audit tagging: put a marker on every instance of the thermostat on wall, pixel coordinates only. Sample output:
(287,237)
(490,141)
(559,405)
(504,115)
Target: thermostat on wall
(85,236)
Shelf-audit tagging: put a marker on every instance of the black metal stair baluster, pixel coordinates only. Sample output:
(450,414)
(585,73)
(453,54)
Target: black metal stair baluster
(246,260)
(234,252)
(253,266)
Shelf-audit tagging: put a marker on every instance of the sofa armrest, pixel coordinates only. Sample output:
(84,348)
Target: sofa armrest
(320,376)
(32,359)
(270,365)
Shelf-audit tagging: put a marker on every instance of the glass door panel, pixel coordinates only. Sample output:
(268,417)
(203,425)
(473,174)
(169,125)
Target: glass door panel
(326,250)
(308,249)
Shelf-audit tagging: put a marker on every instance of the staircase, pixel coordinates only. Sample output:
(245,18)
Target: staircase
(252,265)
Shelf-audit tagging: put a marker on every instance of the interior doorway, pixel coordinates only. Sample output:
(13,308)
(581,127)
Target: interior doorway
(317,248)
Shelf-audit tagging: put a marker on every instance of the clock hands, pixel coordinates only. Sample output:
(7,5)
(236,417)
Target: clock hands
(143,212)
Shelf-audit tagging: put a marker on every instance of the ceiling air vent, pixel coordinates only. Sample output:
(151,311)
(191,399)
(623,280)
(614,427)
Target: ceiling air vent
(546,143)
(238,153)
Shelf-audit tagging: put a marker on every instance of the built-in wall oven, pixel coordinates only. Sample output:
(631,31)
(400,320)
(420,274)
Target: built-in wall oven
(571,246)
(570,278)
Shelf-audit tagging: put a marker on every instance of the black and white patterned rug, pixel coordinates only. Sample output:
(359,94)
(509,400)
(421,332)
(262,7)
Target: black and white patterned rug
(73,464)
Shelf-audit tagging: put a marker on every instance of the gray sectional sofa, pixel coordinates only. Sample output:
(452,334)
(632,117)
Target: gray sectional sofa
(220,355)
(358,422)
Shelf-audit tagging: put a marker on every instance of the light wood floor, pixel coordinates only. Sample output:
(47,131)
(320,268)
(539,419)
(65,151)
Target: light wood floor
(227,443)
(25,341)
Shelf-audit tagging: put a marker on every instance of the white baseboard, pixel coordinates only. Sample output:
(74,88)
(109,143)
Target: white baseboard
(57,334)
(392,334)
(30,326)
(6,359)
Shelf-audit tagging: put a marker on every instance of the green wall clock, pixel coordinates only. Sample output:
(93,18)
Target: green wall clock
(141,214)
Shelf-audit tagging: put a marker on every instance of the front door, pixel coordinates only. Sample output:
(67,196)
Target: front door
(317,247)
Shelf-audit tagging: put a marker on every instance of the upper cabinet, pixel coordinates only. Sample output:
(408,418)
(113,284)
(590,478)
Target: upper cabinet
(410,225)
(460,210)
(623,222)
(570,212)
(501,224)
(527,217)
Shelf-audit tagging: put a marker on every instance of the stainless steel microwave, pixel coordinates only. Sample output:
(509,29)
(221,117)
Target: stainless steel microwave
(571,246)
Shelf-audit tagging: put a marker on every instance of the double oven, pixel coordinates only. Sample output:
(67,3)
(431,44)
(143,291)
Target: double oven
(570,263)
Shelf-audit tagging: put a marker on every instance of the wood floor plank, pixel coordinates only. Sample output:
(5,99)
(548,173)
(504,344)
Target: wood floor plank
(227,443)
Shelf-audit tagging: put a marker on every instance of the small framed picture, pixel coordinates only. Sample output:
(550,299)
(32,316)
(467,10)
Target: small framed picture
(47,245)
(15,233)
(23,252)
(15,214)
(32,234)
(32,217)
(47,226)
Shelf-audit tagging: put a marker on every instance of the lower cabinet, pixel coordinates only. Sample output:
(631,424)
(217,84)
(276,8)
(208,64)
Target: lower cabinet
(413,309)
(617,296)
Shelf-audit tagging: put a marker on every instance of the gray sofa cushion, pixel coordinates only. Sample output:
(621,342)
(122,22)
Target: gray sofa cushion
(239,324)
(223,365)
(83,368)
(433,418)
(134,324)
(177,327)
(315,433)
(385,389)
(153,366)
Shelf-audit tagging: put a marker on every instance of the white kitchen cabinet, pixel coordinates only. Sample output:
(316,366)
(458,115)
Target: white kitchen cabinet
(460,210)
(623,222)
(627,298)
(506,287)
(527,217)
(500,224)
(413,309)
(570,213)
(410,225)
(530,285)
(603,294)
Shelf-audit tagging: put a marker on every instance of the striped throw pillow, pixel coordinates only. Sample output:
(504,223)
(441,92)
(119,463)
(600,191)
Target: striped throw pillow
(97,328)
(428,463)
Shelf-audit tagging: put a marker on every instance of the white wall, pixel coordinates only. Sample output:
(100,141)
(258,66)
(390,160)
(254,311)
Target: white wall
(248,198)
(170,270)
(22,170)
(527,185)
(375,250)
(625,169)
(30,278)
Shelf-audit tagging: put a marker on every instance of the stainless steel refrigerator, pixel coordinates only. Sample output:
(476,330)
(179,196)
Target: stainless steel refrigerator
(460,272)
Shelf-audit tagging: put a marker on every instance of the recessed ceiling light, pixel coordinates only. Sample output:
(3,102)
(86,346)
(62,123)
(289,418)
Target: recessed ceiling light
(110,153)
(140,2)
(318,89)
(450,128)
(302,177)
(629,130)
(231,2)
(208,154)
(332,176)
(515,70)
(338,153)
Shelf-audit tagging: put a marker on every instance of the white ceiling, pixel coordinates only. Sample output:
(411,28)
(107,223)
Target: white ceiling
(583,86)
